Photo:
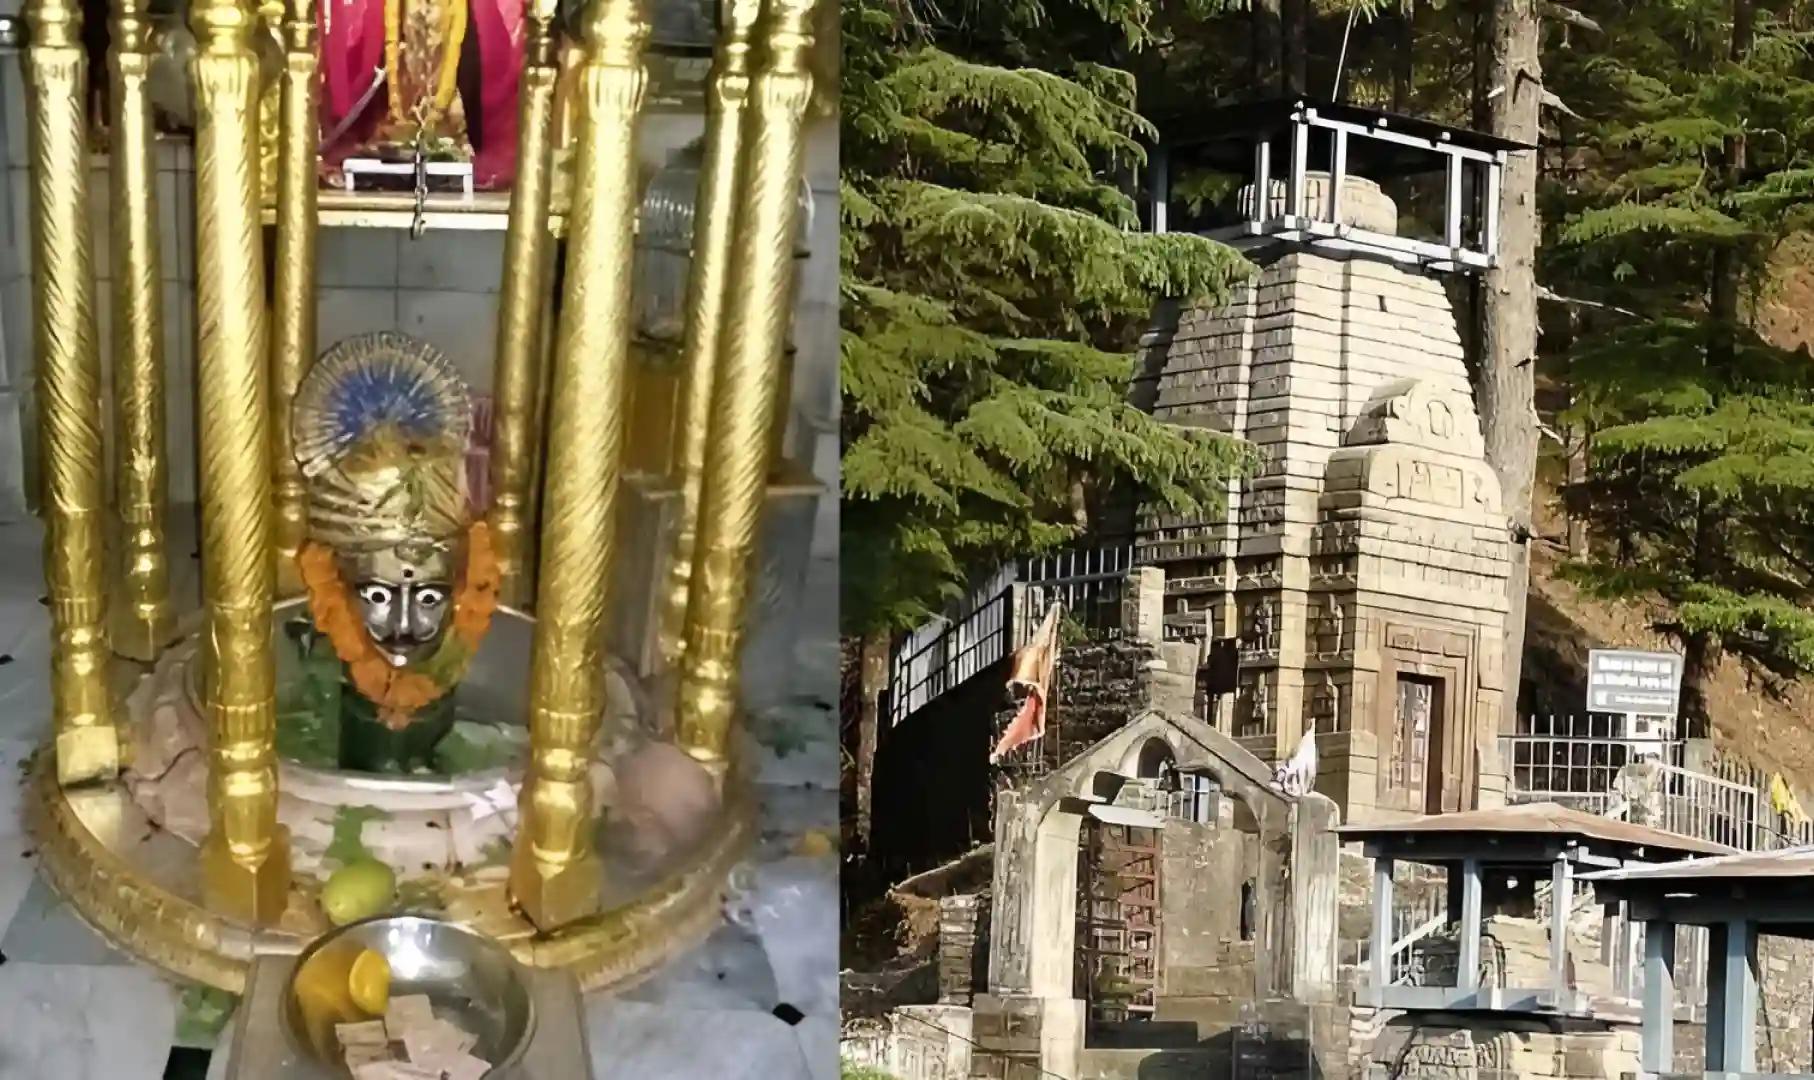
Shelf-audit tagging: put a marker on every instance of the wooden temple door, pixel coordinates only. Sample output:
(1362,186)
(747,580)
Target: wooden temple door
(1118,921)
(1416,765)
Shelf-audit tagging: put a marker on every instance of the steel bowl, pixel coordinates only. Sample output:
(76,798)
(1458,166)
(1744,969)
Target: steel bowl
(472,982)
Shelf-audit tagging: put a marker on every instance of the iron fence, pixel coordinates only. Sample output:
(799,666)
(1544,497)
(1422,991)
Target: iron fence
(946,653)
(997,618)
(1575,761)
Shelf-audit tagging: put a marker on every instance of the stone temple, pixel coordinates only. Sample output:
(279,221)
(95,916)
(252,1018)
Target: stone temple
(1132,894)
(1362,567)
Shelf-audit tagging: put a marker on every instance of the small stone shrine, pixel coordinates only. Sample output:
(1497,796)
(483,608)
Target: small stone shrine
(1362,567)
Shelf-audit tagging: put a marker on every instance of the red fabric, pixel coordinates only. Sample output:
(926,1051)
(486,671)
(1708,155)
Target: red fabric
(352,48)
(1028,724)
(497,27)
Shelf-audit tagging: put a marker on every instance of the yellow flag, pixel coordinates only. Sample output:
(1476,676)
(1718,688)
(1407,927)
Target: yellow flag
(1783,801)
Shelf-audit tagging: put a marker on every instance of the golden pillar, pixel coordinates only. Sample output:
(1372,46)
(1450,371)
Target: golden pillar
(142,623)
(714,227)
(554,871)
(69,392)
(246,859)
(269,45)
(529,253)
(293,302)
(752,361)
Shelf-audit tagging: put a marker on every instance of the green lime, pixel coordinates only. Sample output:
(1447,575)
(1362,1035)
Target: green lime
(357,891)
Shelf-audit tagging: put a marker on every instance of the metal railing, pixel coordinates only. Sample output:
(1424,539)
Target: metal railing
(1413,921)
(1575,761)
(1709,808)
(945,653)
(990,623)
(1578,761)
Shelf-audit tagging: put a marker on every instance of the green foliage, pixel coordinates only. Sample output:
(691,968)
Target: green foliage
(994,282)
(348,845)
(849,1070)
(1702,432)
(472,746)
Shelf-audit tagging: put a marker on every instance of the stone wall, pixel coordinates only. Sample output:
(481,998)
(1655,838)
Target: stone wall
(1439,1046)
(915,1042)
(1101,687)
(1203,870)
(959,927)
(1785,971)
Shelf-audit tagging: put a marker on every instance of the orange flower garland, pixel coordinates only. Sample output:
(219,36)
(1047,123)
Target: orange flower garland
(400,691)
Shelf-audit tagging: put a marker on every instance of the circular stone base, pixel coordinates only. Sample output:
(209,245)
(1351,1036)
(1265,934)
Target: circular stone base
(140,886)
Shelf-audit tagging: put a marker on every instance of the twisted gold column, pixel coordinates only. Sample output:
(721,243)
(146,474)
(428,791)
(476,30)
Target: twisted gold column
(69,392)
(293,299)
(528,252)
(554,871)
(743,405)
(714,228)
(269,41)
(246,859)
(142,623)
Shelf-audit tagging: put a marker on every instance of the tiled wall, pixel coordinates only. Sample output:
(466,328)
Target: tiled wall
(441,287)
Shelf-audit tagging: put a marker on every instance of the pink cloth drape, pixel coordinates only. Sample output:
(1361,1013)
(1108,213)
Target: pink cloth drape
(497,29)
(352,48)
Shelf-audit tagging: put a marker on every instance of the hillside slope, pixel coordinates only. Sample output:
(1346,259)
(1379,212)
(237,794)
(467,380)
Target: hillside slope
(1756,716)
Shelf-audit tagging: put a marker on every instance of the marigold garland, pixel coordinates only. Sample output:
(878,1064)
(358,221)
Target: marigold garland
(400,691)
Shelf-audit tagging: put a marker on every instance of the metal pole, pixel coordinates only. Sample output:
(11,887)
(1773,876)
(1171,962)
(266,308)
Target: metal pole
(522,310)
(293,290)
(554,872)
(143,624)
(1659,997)
(709,287)
(245,860)
(751,367)
(68,387)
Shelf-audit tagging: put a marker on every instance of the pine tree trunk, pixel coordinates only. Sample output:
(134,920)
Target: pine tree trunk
(1402,71)
(1575,467)
(1725,285)
(1508,319)
(1482,67)
(874,678)
(1268,66)
(1699,650)
(1297,46)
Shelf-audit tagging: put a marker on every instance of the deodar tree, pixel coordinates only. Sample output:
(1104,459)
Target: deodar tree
(1701,124)
(995,280)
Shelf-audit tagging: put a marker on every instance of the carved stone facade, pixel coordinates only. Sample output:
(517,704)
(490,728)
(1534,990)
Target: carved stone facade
(1362,567)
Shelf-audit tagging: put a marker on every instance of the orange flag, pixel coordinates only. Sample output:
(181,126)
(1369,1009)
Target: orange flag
(1031,676)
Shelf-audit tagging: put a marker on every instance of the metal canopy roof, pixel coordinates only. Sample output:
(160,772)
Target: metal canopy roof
(1223,137)
(1771,890)
(1787,863)
(1527,821)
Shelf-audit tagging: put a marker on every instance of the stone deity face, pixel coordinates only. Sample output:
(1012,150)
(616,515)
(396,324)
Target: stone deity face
(405,598)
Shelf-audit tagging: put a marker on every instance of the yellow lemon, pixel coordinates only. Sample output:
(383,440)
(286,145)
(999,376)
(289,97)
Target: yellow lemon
(358,890)
(370,982)
(324,995)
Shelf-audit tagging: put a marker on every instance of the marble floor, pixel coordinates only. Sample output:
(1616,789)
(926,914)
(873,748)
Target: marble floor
(757,999)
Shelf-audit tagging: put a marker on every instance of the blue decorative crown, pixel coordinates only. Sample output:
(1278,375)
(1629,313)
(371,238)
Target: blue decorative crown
(371,381)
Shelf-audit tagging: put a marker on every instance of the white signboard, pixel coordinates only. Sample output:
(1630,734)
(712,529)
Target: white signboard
(1634,683)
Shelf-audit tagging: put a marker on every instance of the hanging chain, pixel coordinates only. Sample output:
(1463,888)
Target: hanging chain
(419,224)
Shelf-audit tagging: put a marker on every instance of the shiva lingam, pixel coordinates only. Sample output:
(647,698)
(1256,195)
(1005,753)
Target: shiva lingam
(401,582)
